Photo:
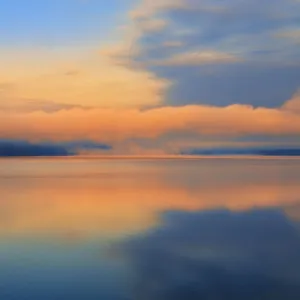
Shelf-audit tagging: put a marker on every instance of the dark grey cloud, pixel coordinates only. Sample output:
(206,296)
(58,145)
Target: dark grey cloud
(230,25)
(217,255)
(212,22)
(256,84)
(252,31)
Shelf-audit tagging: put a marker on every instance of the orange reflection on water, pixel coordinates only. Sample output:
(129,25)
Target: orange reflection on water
(123,199)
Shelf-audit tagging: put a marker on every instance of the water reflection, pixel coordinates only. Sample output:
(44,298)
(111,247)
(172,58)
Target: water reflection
(217,255)
(149,229)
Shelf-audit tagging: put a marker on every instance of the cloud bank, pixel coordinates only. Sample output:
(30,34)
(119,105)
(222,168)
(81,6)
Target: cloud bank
(110,125)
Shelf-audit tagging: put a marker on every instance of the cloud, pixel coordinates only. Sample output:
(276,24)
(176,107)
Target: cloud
(152,25)
(293,104)
(171,44)
(291,34)
(256,84)
(198,58)
(97,83)
(112,125)
(214,33)
(225,26)
(25,106)
(147,8)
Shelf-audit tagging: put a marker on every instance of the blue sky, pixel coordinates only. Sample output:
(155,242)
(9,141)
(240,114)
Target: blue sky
(58,22)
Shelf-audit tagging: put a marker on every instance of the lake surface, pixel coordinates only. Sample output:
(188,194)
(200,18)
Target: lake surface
(87,229)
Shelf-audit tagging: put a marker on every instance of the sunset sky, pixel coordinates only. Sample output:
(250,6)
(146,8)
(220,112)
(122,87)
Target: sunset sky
(150,76)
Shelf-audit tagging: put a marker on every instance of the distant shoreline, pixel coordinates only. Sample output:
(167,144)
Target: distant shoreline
(152,157)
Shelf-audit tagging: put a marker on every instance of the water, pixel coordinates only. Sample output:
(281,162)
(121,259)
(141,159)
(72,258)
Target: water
(82,228)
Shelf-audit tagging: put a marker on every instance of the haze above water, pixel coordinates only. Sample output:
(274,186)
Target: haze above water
(80,228)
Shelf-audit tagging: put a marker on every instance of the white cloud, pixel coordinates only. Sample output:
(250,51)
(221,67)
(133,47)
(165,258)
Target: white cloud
(152,25)
(198,58)
(290,34)
(293,105)
(148,8)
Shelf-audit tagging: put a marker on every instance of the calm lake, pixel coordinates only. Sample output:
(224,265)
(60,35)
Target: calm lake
(150,229)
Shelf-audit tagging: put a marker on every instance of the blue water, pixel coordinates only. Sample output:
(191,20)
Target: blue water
(82,228)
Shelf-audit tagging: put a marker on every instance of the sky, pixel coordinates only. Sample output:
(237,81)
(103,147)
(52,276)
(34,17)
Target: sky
(151,77)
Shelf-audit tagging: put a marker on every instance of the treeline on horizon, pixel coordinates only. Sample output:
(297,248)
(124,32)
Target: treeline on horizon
(13,148)
(245,151)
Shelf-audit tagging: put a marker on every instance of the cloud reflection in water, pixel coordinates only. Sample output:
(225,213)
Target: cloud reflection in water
(217,255)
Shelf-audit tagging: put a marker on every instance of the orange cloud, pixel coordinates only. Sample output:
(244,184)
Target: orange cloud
(293,105)
(112,125)
(96,82)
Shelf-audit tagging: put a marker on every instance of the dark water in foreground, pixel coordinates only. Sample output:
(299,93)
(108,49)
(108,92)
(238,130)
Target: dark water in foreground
(149,229)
